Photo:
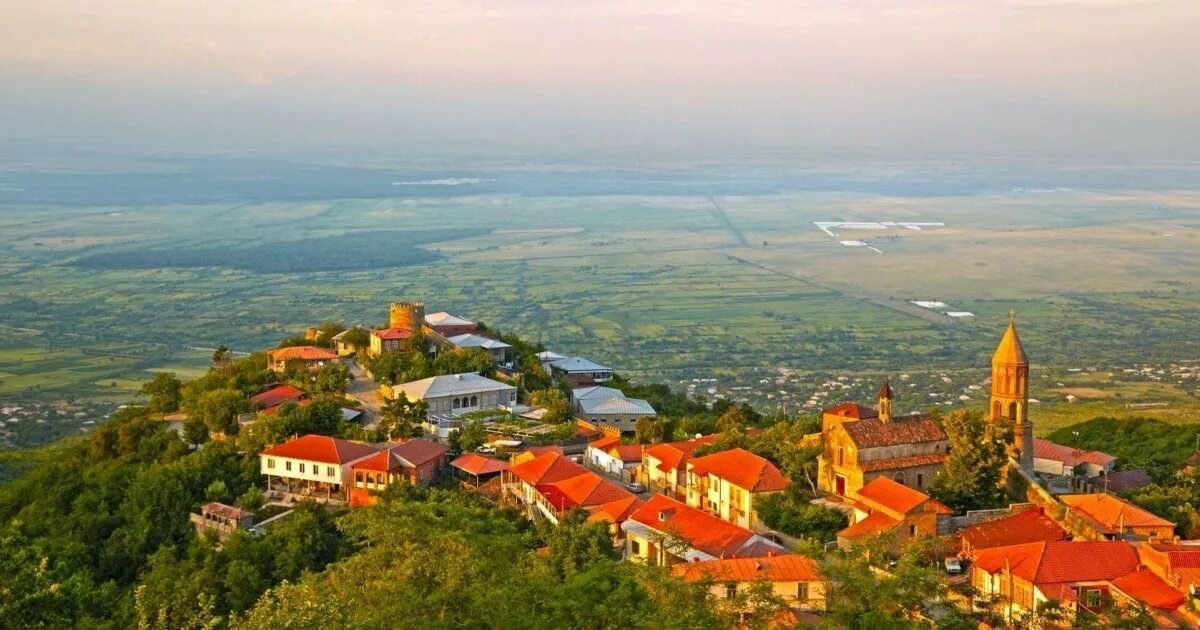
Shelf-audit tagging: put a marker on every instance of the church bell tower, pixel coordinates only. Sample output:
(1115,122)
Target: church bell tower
(1010,392)
(885,401)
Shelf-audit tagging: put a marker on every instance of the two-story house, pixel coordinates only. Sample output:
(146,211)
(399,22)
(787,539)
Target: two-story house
(415,462)
(313,465)
(663,531)
(885,506)
(664,465)
(795,579)
(730,482)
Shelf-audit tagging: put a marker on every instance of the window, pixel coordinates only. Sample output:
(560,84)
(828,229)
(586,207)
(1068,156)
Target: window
(731,590)
(912,529)
(270,463)
(329,471)
(920,480)
(287,466)
(358,477)
(1092,598)
(802,591)
(474,401)
(301,467)
(457,403)
(841,456)
(635,546)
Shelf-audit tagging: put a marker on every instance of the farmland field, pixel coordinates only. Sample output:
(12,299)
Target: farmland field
(663,287)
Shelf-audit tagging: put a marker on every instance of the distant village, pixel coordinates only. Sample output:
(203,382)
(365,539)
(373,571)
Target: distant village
(695,505)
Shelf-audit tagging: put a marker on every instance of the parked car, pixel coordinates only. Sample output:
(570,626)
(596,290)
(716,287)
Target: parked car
(487,449)
(635,487)
(953,565)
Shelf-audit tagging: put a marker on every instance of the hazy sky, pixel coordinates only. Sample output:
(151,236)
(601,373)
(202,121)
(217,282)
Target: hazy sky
(1025,78)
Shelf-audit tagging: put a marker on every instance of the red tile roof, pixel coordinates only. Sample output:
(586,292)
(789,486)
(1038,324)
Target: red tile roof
(627,452)
(605,443)
(780,568)
(701,530)
(301,353)
(874,523)
(546,468)
(1045,449)
(896,463)
(1113,513)
(477,465)
(1121,481)
(410,454)
(896,499)
(904,430)
(1029,526)
(852,410)
(271,411)
(1148,588)
(392,334)
(1062,561)
(322,448)
(227,511)
(742,469)
(277,396)
(674,455)
(583,490)
(615,511)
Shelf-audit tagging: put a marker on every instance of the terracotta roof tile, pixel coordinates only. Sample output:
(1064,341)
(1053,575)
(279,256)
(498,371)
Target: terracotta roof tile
(674,455)
(1121,481)
(1045,449)
(1114,513)
(742,469)
(615,511)
(852,410)
(874,523)
(905,430)
(1029,526)
(227,511)
(546,468)
(897,499)
(605,443)
(1062,561)
(1149,589)
(392,334)
(322,448)
(476,464)
(780,568)
(301,353)
(701,530)
(627,452)
(896,463)
(277,396)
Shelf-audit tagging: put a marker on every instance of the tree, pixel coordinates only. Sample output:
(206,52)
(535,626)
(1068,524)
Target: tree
(472,435)
(252,500)
(165,392)
(971,476)
(400,417)
(219,410)
(195,431)
(332,379)
(653,429)
(357,338)
(222,357)
(574,544)
(554,402)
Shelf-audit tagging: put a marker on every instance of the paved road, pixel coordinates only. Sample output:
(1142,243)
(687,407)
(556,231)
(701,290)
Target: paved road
(365,390)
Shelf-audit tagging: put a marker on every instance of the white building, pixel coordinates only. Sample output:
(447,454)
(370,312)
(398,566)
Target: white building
(606,405)
(316,465)
(456,394)
(581,371)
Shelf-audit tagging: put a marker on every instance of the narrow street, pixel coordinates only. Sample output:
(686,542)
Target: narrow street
(365,390)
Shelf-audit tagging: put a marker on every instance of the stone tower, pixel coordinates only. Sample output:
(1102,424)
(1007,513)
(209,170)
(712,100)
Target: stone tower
(1010,392)
(885,401)
(406,315)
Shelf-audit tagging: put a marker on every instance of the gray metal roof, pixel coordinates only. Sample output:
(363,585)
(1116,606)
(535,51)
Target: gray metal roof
(616,405)
(470,340)
(452,384)
(595,391)
(578,364)
(442,318)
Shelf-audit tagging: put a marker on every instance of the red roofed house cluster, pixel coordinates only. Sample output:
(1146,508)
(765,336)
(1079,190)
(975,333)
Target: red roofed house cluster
(729,482)
(328,468)
(884,506)
(550,485)
(663,531)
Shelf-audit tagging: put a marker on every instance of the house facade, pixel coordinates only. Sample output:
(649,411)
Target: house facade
(664,465)
(606,405)
(614,459)
(1055,459)
(456,394)
(884,506)
(579,371)
(795,579)
(664,531)
(499,350)
(1117,519)
(313,465)
(730,483)
(311,357)
(415,462)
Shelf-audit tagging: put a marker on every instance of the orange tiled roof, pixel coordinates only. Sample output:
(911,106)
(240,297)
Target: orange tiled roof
(605,443)
(301,353)
(477,464)
(875,523)
(410,454)
(321,448)
(227,511)
(1149,589)
(852,410)
(904,430)
(584,489)
(546,468)
(276,396)
(627,452)
(896,463)
(271,411)
(897,499)
(1114,513)
(701,530)
(1029,526)
(615,511)
(742,469)
(1045,449)
(781,568)
(674,455)
(1062,561)
(392,334)
(1010,351)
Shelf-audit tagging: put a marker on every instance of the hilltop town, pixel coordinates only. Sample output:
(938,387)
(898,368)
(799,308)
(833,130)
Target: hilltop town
(927,519)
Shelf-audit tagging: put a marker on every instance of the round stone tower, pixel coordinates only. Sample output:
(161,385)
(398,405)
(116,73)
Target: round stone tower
(406,315)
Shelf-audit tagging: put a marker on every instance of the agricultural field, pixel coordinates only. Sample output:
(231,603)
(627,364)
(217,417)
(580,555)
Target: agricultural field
(662,287)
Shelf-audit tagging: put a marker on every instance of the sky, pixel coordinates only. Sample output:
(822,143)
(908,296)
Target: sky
(960,79)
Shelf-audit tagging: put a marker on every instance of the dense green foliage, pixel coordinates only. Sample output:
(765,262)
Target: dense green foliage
(350,251)
(403,366)
(1156,446)
(970,479)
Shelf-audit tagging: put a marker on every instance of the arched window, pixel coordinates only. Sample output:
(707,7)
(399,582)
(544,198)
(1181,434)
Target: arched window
(457,403)
(474,401)
(1013,408)
(899,478)
(996,410)
(358,477)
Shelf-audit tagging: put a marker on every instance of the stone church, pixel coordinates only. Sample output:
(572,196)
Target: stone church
(861,444)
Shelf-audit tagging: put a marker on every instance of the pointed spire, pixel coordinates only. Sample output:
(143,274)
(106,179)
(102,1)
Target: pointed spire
(1010,351)
(885,392)
(885,401)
